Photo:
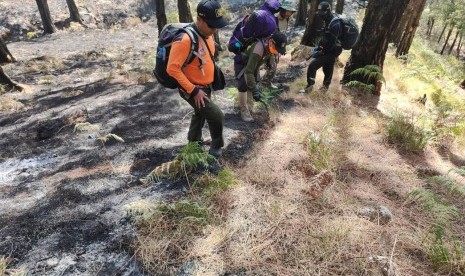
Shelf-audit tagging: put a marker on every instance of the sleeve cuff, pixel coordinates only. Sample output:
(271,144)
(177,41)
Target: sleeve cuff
(195,91)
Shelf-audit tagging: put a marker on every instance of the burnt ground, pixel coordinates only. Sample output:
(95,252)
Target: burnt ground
(61,189)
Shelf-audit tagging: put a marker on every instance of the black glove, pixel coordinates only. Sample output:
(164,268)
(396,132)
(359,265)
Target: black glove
(256,95)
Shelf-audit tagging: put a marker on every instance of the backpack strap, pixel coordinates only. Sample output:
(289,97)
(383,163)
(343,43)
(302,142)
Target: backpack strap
(189,30)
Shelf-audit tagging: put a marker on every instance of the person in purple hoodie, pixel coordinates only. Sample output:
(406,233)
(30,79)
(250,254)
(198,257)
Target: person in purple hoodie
(261,24)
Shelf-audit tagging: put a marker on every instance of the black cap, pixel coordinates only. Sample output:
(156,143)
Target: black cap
(212,13)
(323,8)
(280,42)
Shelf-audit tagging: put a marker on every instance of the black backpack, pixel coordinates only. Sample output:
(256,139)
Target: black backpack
(165,39)
(350,31)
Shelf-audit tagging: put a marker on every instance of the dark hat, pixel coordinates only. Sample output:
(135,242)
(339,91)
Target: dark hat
(323,8)
(280,42)
(212,13)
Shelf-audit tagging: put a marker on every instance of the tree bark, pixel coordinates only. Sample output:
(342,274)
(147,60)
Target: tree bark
(301,15)
(429,29)
(339,6)
(453,43)
(314,26)
(442,33)
(184,9)
(161,15)
(74,12)
(401,28)
(45,15)
(459,46)
(5,55)
(410,29)
(5,80)
(447,40)
(380,21)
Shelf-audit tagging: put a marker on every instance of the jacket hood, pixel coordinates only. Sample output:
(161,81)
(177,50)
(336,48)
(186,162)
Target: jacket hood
(271,6)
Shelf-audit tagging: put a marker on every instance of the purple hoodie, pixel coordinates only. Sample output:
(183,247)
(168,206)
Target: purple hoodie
(262,23)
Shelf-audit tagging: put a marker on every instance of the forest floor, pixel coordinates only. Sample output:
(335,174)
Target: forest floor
(63,189)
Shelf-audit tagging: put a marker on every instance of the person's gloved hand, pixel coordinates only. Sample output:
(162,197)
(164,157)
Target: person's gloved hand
(235,48)
(256,95)
(316,52)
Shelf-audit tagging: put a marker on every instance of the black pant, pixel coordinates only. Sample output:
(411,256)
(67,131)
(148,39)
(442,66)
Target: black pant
(210,113)
(327,62)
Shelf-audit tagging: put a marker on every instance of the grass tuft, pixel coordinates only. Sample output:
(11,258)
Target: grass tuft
(407,134)
(319,152)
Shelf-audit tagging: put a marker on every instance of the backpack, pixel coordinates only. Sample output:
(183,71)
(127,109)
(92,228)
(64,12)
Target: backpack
(165,39)
(264,26)
(350,32)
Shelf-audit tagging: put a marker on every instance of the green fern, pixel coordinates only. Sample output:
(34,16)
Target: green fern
(190,157)
(268,94)
(368,88)
(371,73)
(367,78)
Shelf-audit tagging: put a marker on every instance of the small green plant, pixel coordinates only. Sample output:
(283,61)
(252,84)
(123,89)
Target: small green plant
(268,94)
(190,157)
(442,253)
(31,35)
(319,152)
(449,117)
(371,78)
(404,131)
(212,184)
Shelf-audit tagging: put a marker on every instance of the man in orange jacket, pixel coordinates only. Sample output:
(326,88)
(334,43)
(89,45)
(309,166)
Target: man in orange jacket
(195,78)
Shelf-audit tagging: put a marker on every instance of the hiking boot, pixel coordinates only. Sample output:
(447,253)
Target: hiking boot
(307,89)
(216,152)
(245,113)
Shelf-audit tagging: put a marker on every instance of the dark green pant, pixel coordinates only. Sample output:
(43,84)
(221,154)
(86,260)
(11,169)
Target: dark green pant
(210,113)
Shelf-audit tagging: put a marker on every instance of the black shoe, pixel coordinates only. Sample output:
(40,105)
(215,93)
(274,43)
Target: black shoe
(216,152)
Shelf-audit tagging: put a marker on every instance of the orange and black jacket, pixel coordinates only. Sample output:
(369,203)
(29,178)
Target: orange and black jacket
(196,73)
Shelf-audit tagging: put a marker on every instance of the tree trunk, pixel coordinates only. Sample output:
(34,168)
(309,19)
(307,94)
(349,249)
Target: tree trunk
(339,6)
(74,12)
(45,15)
(301,13)
(5,80)
(429,29)
(161,15)
(184,9)
(453,43)
(442,33)
(459,46)
(401,28)
(447,40)
(410,29)
(314,27)
(380,21)
(5,55)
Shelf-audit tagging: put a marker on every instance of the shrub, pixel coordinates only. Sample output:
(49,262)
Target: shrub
(404,132)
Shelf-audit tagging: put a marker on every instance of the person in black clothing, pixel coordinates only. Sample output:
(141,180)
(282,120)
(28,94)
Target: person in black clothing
(329,48)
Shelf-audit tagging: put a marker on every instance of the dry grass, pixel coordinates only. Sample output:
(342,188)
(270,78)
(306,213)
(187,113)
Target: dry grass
(8,104)
(290,215)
